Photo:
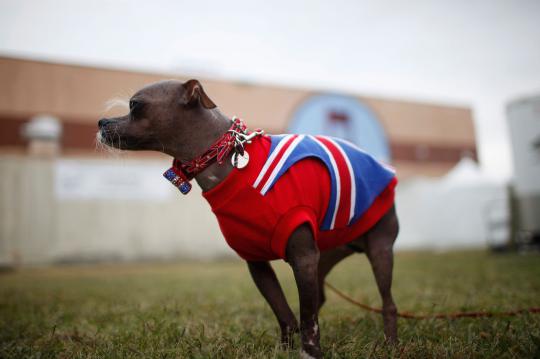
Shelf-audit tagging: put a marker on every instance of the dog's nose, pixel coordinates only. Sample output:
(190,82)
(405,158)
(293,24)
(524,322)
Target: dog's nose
(103,122)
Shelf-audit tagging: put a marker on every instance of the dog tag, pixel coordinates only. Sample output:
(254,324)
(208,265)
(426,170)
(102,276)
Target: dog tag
(240,161)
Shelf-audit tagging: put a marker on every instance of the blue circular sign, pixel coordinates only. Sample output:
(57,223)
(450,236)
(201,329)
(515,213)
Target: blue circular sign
(344,117)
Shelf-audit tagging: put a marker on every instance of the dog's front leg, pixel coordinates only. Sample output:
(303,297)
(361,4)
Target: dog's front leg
(303,256)
(264,277)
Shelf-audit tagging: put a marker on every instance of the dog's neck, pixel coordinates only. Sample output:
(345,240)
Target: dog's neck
(212,124)
(214,174)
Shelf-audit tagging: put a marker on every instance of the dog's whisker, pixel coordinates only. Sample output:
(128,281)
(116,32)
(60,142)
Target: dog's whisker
(104,147)
(98,144)
(117,102)
(162,146)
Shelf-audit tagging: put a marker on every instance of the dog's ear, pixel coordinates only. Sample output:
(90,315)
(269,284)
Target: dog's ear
(195,94)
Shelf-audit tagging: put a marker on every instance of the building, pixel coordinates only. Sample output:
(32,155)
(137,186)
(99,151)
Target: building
(76,203)
(425,139)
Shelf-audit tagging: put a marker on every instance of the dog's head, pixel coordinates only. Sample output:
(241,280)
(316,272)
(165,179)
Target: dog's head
(160,116)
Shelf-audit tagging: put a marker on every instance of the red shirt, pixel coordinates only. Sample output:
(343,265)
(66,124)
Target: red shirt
(258,226)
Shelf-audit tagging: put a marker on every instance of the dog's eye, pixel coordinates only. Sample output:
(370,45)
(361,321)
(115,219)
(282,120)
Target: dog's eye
(134,106)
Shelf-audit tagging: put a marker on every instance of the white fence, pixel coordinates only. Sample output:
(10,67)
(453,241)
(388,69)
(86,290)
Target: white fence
(77,210)
(62,210)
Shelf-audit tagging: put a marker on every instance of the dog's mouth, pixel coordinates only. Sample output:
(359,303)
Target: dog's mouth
(112,138)
(99,137)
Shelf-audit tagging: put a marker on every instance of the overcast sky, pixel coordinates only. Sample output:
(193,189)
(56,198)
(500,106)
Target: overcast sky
(478,53)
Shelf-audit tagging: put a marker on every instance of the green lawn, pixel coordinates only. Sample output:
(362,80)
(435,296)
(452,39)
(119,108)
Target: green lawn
(212,310)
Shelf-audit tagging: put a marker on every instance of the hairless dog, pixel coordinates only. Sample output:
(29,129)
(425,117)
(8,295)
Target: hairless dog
(179,119)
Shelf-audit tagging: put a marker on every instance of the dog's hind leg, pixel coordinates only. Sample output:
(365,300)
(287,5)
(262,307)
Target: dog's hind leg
(379,243)
(328,259)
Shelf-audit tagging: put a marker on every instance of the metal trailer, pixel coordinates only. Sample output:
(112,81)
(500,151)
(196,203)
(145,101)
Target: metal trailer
(524,124)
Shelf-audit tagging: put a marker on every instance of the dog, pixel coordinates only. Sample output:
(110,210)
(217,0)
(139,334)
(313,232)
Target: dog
(309,200)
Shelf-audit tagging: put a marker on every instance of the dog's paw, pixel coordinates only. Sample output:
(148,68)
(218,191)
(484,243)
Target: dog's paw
(287,336)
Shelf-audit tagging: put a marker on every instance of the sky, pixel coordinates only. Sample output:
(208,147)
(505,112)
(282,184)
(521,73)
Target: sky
(476,53)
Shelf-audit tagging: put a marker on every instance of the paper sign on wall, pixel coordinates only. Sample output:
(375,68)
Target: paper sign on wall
(88,180)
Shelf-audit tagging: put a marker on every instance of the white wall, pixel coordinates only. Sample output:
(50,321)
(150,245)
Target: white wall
(38,224)
(83,210)
(438,215)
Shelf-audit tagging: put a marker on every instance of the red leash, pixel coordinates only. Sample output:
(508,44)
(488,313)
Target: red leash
(454,315)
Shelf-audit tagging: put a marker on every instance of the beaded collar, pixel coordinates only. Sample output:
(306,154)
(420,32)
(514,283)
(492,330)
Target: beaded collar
(182,172)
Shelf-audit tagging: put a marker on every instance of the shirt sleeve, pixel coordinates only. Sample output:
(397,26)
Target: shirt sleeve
(288,223)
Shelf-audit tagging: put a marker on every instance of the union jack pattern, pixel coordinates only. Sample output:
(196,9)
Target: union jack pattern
(356,177)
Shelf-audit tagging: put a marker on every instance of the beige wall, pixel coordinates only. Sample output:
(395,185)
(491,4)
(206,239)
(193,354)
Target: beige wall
(80,94)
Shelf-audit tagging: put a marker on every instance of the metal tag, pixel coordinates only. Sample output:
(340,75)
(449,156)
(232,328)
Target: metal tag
(240,161)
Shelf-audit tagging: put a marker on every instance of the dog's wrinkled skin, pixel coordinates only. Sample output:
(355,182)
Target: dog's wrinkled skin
(179,119)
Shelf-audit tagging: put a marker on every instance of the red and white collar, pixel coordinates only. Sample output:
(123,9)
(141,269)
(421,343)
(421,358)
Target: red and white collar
(182,172)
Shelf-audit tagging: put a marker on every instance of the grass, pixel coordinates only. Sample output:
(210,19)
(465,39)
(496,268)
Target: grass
(212,310)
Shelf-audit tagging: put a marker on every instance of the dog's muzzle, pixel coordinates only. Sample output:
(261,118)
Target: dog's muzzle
(103,123)
(102,132)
